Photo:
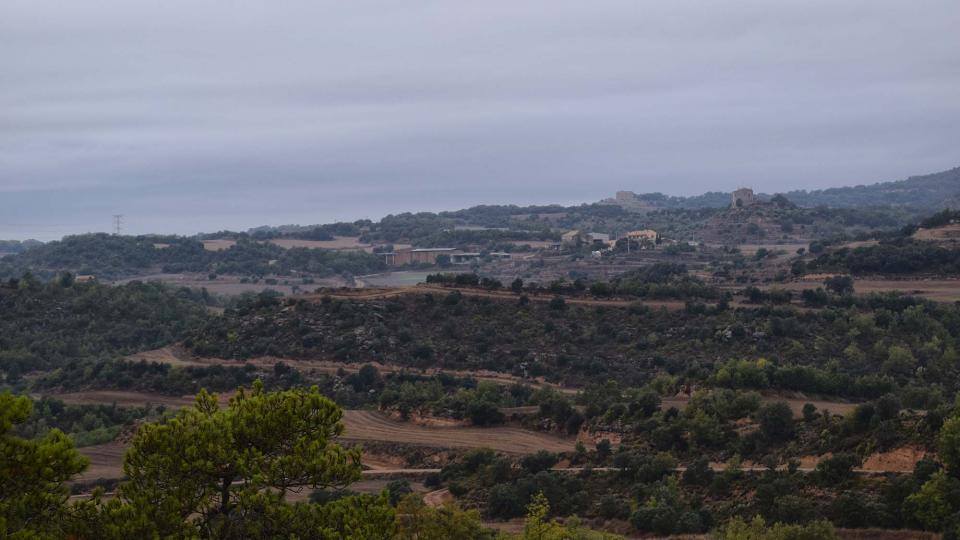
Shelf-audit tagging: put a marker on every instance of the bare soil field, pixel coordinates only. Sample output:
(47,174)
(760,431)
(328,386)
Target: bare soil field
(935,289)
(106,461)
(374,426)
(947,233)
(339,242)
(897,460)
(360,426)
(218,245)
(938,290)
(407,278)
(172,355)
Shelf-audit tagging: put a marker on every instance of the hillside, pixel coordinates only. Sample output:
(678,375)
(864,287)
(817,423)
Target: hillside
(938,190)
(931,191)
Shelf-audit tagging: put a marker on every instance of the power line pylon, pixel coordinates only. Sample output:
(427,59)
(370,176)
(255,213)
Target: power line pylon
(117,221)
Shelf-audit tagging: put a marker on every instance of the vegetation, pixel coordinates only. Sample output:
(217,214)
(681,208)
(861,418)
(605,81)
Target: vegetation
(110,257)
(46,325)
(900,256)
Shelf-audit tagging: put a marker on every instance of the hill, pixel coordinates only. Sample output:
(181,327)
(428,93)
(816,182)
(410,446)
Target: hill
(931,191)
(938,190)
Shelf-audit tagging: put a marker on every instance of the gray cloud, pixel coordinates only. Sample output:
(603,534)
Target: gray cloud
(200,115)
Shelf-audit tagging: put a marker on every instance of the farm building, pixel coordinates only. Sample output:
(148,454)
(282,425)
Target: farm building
(575,238)
(402,257)
(646,237)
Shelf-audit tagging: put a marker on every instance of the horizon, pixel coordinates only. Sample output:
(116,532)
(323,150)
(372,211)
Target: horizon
(107,227)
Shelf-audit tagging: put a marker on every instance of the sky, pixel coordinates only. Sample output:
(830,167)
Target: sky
(200,115)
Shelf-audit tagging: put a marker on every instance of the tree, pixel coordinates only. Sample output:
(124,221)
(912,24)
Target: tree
(839,284)
(417,521)
(757,529)
(948,443)
(537,527)
(698,473)
(776,421)
(936,501)
(836,469)
(223,472)
(33,494)
(900,361)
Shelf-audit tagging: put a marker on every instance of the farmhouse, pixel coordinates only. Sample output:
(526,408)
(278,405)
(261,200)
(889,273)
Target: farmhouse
(575,238)
(646,238)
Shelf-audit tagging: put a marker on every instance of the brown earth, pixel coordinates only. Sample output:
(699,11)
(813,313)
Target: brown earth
(935,289)
(947,233)
(374,426)
(218,245)
(370,426)
(339,242)
(106,461)
(902,459)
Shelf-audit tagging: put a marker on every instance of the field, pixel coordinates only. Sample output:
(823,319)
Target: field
(948,233)
(218,245)
(393,279)
(937,290)
(230,285)
(339,242)
(361,426)
(374,426)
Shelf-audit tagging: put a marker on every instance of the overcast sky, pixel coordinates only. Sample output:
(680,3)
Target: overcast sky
(196,115)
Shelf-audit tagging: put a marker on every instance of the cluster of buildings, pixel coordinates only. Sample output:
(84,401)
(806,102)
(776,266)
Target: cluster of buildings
(646,238)
(598,242)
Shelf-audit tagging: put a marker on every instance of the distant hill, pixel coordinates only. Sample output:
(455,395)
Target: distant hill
(932,191)
(938,190)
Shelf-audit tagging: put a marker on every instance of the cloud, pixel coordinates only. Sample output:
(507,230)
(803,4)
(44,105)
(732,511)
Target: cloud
(253,112)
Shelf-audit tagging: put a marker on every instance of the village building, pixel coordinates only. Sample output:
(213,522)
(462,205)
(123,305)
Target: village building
(646,238)
(576,238)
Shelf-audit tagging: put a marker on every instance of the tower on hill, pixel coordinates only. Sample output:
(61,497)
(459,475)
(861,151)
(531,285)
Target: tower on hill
(743,197)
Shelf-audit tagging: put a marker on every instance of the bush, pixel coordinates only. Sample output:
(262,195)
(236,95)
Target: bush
(837,469)
(503,502)
(757,529)
(776,421)
(613,507)
(698,473)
